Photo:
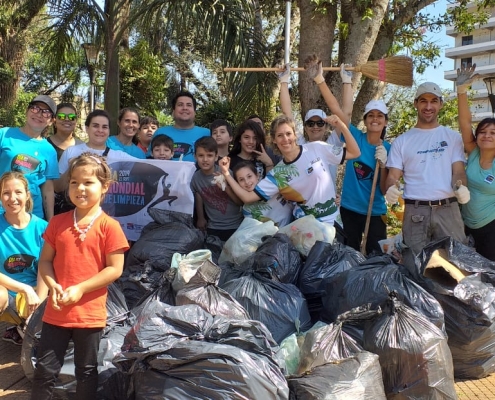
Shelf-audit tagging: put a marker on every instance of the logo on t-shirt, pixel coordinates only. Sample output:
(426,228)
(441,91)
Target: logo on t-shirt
(182,149)
(17,263)
(24,163)
(362,171)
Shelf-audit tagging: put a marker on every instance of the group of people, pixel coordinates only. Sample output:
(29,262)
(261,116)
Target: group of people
(56,242)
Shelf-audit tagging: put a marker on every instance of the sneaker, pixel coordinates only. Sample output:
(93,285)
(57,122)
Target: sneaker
(11,335)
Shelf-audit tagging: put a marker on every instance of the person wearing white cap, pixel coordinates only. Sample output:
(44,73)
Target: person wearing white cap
(359,173)
(25,150)
(430,159)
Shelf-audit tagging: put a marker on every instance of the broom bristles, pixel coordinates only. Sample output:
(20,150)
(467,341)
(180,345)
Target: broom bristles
(397,70)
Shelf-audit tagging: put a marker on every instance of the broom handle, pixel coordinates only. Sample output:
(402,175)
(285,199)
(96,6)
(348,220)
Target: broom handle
(370,208)
(275,69)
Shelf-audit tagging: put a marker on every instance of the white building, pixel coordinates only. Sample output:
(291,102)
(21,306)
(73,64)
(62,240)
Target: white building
(477,47)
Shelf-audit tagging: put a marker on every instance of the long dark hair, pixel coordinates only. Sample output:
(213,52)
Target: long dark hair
(482,124)
(248,125)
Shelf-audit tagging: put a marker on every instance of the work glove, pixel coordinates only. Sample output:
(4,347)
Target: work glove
(392,195)
(465,77)
(284,76)
(381,154)
(346,76)
(314,69)
(462,193)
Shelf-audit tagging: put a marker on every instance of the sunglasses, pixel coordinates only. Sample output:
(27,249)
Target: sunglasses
(319,124)
(46,112)
(63,117)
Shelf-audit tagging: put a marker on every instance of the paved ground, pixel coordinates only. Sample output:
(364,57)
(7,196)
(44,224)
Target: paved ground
(15,386)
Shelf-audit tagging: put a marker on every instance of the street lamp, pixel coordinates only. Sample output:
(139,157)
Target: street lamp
(92,53)
(490,86)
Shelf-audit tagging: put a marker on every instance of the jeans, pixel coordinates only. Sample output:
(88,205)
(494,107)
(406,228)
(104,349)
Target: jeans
(52,348)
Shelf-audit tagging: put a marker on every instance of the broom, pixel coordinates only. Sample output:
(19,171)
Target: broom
(396,69)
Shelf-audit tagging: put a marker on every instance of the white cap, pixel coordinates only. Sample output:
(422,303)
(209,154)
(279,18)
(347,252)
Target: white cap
(428,87)
(376,105)
(315,113)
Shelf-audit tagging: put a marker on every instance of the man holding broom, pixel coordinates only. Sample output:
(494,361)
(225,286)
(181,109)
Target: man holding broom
(430,158)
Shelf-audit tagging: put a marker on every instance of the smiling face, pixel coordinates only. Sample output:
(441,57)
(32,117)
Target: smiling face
(485,136)
(14,196)
(98,132)
(246,178)
(162,152)
(315,129)
(85,190)
(285,139)
(128,124)
(248,142)
(375,121)
(184,112)
(38,117)
(65,121)
(428,106)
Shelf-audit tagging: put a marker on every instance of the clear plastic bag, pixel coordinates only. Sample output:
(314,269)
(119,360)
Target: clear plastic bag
(187,266)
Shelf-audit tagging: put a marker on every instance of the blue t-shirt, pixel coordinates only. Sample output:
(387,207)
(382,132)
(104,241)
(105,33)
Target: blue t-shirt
(480,209)
(131,149)
(183,140)
(358,179)
(35,158)
(20,250)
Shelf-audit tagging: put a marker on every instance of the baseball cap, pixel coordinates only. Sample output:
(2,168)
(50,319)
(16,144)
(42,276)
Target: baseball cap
(45,100)
(315,113)
(376,105)
(428,87)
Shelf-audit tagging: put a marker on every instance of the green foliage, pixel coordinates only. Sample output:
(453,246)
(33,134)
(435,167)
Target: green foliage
(163,119)
(16,116)
(216,110)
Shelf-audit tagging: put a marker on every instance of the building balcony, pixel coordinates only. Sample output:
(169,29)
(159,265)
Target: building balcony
(450,30)
(470,50)
(484,71)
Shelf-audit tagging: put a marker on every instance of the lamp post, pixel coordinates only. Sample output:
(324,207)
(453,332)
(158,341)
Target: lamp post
(490,87)
(92,53)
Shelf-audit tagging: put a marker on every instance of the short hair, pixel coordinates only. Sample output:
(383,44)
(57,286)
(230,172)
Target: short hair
(131,110)
(11,175)
(96,113)
(482,124)
(280,120)
(207,143)
(162,139)
(148,121)
(245,126)
(100,168)
(244,164)
(252,116)
(183,94)
(218,123)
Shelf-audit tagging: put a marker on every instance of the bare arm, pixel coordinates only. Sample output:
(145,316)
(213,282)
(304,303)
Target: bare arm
(244,195)
(48,195)
(394,174)
(465,122)
(383,179)
(45,270)
(459,173)
(347,102)
(285,102)
(200,212)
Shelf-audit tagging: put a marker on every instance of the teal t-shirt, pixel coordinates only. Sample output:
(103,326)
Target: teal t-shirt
(115,144)
(358,179)
(480,209)
(183,140)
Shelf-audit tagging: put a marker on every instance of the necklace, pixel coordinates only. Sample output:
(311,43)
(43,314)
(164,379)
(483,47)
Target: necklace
(82,232)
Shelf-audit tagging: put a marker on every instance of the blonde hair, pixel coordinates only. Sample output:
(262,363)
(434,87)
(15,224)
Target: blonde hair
(280,120)
(9,176)
(100,168)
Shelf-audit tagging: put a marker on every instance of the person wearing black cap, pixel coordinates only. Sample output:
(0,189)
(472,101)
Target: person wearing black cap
(430,158)
(25,150)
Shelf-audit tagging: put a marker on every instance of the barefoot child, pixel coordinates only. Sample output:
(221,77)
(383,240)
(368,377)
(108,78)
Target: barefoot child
(83,254)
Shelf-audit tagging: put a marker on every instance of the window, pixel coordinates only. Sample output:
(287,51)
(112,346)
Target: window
(466,62)
(467,40)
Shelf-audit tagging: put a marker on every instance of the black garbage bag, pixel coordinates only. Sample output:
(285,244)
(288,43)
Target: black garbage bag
(370,282)
(280,306)
(203,291)
(276,258)
(215,245)
(469,305)
(171,232)
(414,355)
(183,352)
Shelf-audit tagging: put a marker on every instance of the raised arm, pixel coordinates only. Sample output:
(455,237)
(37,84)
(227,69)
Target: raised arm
(352,148)
(465,76)
(244,195)
(285,102)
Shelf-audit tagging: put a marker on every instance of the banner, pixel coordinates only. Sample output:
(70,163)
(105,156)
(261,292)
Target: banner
(141,184)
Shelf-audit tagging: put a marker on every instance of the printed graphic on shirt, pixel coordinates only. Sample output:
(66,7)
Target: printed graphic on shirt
(17,263)
(320,210)
(362,171)
(283,174)
(258,210)
(24,163)
(435,151)
(182,149)
(215,197)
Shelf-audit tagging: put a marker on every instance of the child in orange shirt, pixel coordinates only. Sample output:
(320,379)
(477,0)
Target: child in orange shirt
(83,254)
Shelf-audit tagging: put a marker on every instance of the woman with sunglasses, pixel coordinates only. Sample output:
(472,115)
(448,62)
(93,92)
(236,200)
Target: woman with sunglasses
(25,150)
(64,129)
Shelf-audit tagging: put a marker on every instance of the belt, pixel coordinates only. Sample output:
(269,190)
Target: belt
(431,203)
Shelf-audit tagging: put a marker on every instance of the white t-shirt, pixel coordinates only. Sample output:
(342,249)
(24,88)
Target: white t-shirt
(425,157)
(306,181)
(74,151)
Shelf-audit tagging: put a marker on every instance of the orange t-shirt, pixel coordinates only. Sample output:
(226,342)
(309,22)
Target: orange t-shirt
(77,261)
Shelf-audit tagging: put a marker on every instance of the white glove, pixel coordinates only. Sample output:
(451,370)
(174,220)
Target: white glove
(392,195)
(220,181)
(346,76)
(381,154)
(284,76)
(462,194)
(465,77)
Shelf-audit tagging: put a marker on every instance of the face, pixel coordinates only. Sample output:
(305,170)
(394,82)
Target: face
(315,128)
(129,124)
(162,152)
(85,190)
(184,110)
(98,131)
(14,196)
(205,159)
(38,117)
(486,137)
(285,139)
(65,120)
(246,178)
(221,135)
(375,121)
(248,141)
(146,133)
(428,106)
